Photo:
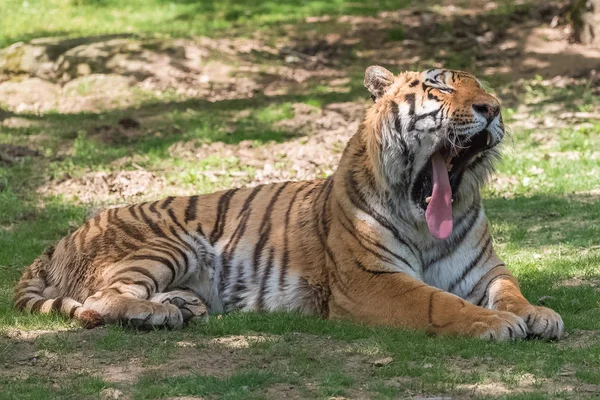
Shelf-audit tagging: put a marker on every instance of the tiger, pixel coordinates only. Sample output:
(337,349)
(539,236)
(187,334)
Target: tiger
(396,236)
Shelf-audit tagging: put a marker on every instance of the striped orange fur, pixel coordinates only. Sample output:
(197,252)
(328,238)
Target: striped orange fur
(355,245)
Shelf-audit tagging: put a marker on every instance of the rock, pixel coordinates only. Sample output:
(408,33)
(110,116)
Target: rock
(110,394)
(96,92)
(32,94)
(21,58)
(60,58)
(383,362)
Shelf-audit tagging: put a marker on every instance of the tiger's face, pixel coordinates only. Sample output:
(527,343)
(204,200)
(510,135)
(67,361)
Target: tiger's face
(437,133)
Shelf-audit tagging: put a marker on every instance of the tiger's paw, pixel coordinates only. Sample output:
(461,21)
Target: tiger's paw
(190,305)
(500,326)
(543,322)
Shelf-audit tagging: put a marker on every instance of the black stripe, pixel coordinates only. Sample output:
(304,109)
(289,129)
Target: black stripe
(155,228)
(164,261)
(414,83)
(358,200)
(73,310)
(173,217)
(177,235)
(362,267)
(26,285)
(222,209)
(140,270)
(487,286)
(371,241)
(265,228)
(432,96)
(324,217)
(167,202)
(153,209)
(460,237)
(82,233)
(130,246)
(129,229)
(132,211)
(360,240)
(398,123)
(57,304)
(168,249)
(430,312)
(410,99)
(285,262)
(37,305)
(128,282)
(172,244)
(110,238)
(265,278)
(190,210)
(234,241)
(178,239)
(472,264)
(250,199)
(19,305)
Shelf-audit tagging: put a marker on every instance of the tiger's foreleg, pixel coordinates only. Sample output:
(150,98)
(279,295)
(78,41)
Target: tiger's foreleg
(498,290)
(400,300)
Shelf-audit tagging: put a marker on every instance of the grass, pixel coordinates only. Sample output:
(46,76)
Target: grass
(21,21)
(543,208)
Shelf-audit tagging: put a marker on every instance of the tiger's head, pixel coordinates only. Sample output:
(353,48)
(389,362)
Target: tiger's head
(433,136)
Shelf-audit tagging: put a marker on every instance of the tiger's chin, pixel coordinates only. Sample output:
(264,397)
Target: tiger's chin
(457,160)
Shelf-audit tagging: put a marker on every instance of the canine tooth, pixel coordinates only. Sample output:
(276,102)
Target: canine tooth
(427,200)
(449,166)
(489,138)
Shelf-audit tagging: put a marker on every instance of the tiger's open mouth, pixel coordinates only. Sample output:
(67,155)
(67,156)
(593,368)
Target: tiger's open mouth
(436,186)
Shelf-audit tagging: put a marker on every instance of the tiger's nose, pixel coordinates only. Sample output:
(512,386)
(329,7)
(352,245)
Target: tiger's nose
(487,110)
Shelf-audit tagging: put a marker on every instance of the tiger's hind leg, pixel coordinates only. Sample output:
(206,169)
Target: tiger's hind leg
(126,296)
(191,306)
(130,311)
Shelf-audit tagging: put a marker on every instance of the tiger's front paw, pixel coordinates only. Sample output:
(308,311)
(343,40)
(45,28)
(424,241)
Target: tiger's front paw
(543,322)
(500,326)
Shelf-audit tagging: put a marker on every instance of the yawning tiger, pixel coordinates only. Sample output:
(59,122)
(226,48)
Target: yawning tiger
(396,236)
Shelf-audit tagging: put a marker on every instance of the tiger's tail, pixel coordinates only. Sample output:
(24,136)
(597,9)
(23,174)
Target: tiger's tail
(29,295)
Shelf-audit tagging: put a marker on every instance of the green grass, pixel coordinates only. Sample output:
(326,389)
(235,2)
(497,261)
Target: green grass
(22,21)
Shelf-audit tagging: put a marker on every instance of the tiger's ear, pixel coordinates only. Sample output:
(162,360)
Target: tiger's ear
(377,81)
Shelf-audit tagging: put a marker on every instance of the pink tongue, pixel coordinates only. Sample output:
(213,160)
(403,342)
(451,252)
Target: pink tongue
(439,209)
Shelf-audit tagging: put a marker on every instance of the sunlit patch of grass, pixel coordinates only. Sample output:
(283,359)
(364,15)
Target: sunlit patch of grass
(25,20)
